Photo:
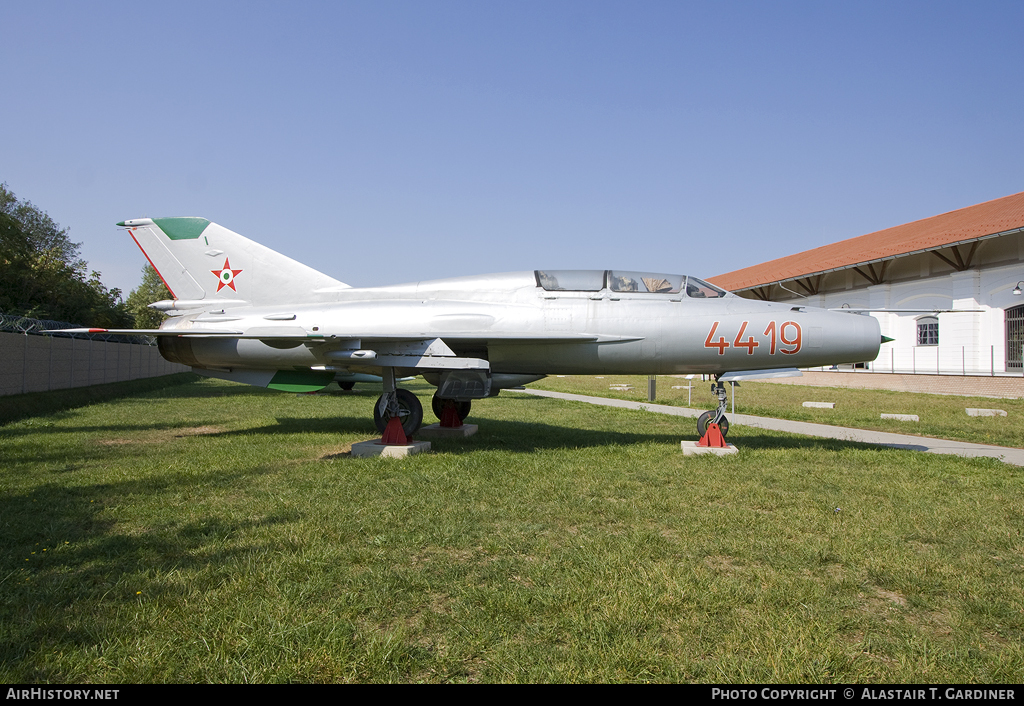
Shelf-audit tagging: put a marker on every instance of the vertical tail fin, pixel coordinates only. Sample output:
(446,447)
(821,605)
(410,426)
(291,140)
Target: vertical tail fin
(198,259)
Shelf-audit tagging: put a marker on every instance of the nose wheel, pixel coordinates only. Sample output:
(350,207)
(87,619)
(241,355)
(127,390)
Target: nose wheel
(708,418)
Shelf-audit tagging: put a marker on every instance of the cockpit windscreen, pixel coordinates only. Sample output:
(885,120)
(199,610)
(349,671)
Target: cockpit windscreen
(571,280)
(619,281)
(699,289)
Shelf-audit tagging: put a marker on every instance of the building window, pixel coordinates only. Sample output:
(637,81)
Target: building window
(1015,338)
(928,331)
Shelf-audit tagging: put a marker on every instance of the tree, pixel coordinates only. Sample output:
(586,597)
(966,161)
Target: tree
(42,274)
(152,289)
(43,233)
(15,263)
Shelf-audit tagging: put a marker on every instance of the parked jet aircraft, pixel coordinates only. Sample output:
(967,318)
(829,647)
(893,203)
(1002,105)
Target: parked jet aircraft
(246,313)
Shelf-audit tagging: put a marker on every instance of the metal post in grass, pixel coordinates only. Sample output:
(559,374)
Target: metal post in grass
(652,385)
(733,383)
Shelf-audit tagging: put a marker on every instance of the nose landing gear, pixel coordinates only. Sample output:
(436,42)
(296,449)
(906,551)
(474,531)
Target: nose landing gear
(713,426)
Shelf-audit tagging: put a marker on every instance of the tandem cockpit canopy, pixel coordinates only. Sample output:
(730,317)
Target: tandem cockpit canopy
(624,281)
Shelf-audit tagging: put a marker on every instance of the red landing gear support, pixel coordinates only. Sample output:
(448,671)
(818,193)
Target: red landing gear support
(393,434)
(452,414)
(450,418)
(713,438)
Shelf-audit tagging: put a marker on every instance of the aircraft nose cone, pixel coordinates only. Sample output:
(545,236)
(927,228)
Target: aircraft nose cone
(852,338)
(870,333)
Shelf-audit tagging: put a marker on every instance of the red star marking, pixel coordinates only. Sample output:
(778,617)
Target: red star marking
(226,276)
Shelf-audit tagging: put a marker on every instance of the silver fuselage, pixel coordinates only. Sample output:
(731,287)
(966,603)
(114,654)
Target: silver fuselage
(521,328)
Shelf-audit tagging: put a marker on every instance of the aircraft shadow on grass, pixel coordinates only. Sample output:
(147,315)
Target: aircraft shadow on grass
(494,434)
(524,437)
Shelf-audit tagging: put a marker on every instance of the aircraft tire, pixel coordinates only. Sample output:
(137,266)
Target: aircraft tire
(705,419)
(346,385)
(462,407)
(410,411)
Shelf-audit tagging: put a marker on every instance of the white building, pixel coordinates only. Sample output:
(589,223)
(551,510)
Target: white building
(972,259)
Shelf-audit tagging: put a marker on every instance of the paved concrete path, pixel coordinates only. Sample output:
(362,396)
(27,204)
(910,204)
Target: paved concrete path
(881,438)
(1000,386)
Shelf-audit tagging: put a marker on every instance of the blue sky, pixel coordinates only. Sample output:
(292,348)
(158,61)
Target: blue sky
(385,142)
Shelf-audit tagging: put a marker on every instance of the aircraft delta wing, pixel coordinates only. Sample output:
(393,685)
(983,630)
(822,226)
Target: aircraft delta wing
(246,313)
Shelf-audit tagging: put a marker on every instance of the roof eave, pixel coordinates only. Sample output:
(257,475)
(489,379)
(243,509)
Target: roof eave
(879,259)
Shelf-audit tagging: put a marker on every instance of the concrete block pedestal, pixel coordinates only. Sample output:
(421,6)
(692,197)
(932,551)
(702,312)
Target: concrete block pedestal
(690,448)
(436,431)
(366,449)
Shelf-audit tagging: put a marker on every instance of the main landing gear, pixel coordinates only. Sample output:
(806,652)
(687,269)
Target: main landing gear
(401,404)
(713,426)
(451,413)
(398,413)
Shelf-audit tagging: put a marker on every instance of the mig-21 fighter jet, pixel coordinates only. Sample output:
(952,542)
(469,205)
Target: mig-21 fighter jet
(246,313)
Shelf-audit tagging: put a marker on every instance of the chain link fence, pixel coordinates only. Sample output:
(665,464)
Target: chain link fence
(10,323)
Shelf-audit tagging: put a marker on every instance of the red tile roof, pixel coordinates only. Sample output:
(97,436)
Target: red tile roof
(962,225)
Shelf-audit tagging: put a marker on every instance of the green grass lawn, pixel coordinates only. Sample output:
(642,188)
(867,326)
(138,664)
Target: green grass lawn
(941,416)
(208,532)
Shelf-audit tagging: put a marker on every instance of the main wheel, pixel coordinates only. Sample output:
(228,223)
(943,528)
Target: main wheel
(705,419)
(410,411)
(462,408)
